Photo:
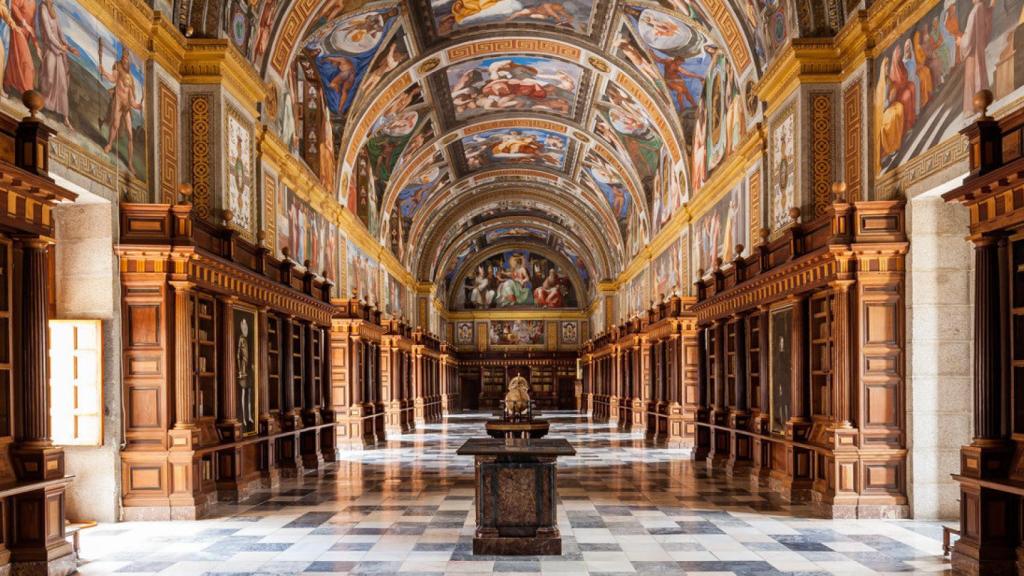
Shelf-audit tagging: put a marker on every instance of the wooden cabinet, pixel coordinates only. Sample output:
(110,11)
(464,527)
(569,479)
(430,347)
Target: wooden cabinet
(803,363)
(643,374)
(991,474)
(224,357)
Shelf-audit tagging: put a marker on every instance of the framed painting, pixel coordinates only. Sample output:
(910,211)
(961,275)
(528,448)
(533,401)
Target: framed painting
(245,348)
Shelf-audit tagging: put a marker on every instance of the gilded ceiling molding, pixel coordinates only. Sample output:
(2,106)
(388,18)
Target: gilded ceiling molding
(286,41)
(451,247)
(523,180)
(466,315)
(218,62)
(485,200)
(482,229)
(730,30)
(361,121)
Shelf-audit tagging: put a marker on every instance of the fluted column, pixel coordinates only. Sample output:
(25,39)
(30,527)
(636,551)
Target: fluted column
(184,374)
(35,408)
(798,353)
(841,414)
(987,345)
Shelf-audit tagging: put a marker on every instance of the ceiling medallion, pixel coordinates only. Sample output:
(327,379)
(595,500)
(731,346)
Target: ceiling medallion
(428,65)
(598,64)
(580,136)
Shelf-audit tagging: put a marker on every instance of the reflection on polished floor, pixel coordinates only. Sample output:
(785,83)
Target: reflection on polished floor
(626,508)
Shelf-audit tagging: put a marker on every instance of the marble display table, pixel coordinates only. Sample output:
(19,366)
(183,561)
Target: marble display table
(515,495)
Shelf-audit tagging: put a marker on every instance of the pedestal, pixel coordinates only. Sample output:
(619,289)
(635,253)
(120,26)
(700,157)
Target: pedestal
(516,499)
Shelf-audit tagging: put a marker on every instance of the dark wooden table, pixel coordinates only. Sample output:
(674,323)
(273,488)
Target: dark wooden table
(516,500)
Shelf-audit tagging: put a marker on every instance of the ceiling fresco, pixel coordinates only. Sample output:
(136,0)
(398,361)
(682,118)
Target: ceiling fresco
(452,127)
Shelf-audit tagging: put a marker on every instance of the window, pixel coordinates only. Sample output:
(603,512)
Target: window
(76,382)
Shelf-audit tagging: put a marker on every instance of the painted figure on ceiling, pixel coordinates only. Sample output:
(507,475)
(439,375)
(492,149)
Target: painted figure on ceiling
(20,74)
(122,102)
(53,82)
(973,43)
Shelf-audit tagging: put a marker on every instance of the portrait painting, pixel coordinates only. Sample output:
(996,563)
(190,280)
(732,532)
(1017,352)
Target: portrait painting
(456,15)
(569,333)
(780,367)
(515,279)
(283,219)
(241,193)
(666,272)
(310,238)
(93,85)
(516,333)
(363,275)
(638,295)
(668,189)
(926,79)
(597,319)
(397,294)
(463,333)
(721,229)
(516,146)
(783,173)
(246,339)
(520,83)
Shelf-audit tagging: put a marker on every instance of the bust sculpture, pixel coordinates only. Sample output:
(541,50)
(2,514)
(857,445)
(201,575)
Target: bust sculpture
(517,400)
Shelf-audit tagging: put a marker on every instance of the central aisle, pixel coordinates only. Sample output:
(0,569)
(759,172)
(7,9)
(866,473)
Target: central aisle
(407,508)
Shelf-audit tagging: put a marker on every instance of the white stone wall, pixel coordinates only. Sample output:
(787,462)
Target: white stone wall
(87,287)
(940,327)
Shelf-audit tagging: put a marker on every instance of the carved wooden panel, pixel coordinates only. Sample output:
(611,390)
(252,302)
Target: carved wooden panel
(853,140)
(168,130)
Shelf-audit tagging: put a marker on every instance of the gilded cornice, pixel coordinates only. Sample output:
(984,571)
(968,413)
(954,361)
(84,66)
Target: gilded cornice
(804,61)
(216,61)
(167,45)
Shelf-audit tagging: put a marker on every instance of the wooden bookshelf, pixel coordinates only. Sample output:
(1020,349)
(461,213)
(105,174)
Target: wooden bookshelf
(731,329)
(6,353)
(754,361)
(274,390)
(821,352)
(297,347)
(204,343)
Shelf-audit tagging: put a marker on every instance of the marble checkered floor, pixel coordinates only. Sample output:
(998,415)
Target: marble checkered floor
(626,508)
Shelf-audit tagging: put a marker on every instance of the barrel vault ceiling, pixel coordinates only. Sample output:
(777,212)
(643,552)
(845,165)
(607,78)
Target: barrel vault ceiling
(456,128)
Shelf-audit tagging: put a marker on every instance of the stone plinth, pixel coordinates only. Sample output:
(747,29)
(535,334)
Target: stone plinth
(516,499)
